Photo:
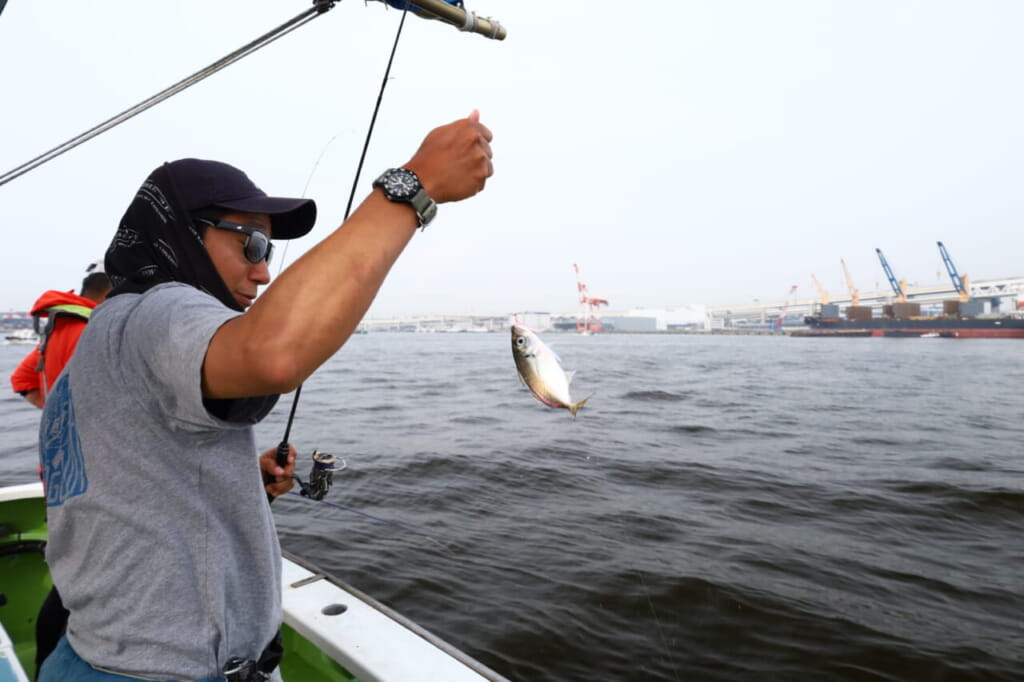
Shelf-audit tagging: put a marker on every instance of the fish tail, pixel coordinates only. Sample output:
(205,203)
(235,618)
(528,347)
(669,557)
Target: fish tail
(579,406)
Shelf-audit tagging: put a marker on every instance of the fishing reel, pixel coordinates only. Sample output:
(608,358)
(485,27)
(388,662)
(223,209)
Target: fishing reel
(321,475)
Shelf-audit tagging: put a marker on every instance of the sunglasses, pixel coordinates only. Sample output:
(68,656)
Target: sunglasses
(257,245)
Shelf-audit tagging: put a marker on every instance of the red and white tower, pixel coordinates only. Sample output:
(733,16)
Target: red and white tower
(587,322)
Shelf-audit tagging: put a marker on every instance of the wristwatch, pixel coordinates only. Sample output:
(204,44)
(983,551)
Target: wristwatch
(401,185)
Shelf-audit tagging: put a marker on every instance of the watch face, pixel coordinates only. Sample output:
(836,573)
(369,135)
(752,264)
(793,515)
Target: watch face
(401,184)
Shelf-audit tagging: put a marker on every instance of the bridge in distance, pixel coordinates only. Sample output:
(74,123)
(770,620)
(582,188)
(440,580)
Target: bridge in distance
(999,292)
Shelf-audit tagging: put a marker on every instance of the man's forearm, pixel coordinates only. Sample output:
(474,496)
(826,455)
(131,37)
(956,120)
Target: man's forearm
(305,316)
(308,313)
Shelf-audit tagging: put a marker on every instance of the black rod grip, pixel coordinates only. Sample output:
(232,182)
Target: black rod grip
(282,454)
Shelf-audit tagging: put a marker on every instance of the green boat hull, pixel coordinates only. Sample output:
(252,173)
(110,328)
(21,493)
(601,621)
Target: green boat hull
(332,632)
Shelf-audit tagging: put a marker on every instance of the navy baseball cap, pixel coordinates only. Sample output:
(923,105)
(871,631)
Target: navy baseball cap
(214,184)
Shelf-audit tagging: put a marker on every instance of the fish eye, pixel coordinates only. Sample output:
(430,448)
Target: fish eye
(520,340)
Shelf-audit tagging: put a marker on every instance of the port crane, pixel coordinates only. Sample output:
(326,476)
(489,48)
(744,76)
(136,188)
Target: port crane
(587,322)
(785,306)
(960,282)
(897,286)
(821,290)
(854,291)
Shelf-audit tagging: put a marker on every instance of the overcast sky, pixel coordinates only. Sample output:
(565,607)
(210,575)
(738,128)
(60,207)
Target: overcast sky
(680,152)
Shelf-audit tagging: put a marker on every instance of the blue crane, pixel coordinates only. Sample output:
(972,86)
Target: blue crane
(958,281)
(896,285)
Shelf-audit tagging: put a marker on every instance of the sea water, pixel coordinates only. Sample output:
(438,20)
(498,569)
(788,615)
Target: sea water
(724,508)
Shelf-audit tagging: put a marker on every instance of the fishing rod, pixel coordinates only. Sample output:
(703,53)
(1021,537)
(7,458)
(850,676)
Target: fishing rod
(321,476)
(454,14)
(323,470)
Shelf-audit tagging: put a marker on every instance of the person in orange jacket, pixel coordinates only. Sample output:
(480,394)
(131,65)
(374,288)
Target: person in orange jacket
(64,315)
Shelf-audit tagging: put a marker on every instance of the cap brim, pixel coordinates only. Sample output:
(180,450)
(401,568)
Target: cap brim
(290,218)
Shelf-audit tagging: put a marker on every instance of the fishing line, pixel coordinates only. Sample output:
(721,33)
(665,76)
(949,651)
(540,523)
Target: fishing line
(396,524)
(282,448)
(366,142)
(661,633)
(312,172)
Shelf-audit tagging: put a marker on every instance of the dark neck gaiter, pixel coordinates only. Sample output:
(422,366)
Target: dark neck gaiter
(157,242)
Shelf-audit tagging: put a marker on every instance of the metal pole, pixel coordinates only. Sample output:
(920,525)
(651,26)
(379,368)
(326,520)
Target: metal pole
(263,40)
(466,21)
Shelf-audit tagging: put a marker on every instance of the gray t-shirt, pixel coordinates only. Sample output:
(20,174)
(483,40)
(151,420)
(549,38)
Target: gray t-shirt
(162,542)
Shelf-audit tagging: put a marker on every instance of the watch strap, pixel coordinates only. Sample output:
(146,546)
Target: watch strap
(424,206)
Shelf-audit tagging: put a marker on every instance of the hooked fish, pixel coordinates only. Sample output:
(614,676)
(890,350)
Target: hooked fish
(540,370)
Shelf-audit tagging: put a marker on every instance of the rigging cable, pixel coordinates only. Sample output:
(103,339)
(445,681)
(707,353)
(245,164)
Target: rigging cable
(319,7)
(282,448)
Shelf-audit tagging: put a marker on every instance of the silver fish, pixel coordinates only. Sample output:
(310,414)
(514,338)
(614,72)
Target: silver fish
(540,370)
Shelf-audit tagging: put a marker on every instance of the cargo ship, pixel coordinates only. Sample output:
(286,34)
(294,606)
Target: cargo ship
(958,320)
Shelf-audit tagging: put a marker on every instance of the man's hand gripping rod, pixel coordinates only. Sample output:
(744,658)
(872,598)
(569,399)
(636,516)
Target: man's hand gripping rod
(321,476)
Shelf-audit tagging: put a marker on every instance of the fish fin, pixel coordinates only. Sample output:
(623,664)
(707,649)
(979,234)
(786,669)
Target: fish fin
(569,374)
(579,406)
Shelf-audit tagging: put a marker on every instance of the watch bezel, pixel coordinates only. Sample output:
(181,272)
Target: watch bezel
(404,191)
(421,202)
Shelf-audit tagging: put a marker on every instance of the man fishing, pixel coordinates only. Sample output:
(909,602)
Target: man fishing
(161,541)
